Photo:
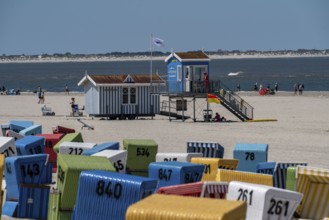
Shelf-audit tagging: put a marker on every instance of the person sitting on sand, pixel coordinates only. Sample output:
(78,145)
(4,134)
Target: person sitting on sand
(217,118)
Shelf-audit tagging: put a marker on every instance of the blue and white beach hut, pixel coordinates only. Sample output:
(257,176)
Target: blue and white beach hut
(121,96)
(187,72)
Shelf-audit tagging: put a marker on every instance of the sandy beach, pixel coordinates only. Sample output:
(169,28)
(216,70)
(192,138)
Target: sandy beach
(300,134)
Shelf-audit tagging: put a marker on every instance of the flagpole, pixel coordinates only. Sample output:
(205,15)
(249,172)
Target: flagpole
(151,48)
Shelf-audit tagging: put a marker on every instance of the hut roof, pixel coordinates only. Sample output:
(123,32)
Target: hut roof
(189,56)
(120,79)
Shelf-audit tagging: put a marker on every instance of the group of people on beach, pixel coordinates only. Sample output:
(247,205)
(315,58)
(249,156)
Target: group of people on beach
(298,87)
(268,90)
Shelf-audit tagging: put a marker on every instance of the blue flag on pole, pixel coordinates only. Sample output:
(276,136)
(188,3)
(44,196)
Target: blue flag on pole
(158,42)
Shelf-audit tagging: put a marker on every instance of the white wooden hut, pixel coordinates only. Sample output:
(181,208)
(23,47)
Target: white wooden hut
(121,96)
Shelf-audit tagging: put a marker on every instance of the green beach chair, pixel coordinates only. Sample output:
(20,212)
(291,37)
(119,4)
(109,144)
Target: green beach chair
(68,173)
(54,211)
(291,178)
(140,153)
(71,137)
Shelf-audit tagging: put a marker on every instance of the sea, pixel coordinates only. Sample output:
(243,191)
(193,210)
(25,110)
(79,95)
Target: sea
(313,72)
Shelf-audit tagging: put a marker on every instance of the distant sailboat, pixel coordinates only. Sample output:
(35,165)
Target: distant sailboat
(235,74)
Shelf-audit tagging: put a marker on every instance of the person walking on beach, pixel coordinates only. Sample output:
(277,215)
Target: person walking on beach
(39,94)
(255,87)
(67,90)
(276,87)
(42,97)
(295,88)
(301,88)
(238,87)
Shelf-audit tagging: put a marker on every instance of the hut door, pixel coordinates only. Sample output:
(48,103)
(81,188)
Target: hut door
(187,72)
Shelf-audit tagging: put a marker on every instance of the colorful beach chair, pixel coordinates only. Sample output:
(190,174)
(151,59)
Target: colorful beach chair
(173,173)
(31,130)
(69,137)
(233,175)
(101,147)
(249,155)
(112,192)
(208,149)
(188,189)
(314,184)
(280,173)
(118,158)
(264,202)
(228,164)
(8,146)
(75,148)
(182,157)
(140,153)
(158,206)
(210,167)
(69,168)
(50,141)
(30,145)
(216,190)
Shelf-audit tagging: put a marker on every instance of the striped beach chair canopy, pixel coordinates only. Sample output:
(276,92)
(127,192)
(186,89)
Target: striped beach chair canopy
(280,173)
(189,189)
(314,184)
(212,189)
(207,148)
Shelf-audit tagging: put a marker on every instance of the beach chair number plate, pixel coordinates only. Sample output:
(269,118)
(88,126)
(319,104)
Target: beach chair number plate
(277,207)
(191,177)
(33,170)
(76,151)
(245,195)
(61,174)
(142,152)
(118,165)
(207,168)
(164,174)
(250,156)
(109,189)
(170,159)
(9,152)
(36,150)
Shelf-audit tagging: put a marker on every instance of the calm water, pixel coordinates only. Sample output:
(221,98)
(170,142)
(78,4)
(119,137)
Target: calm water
(313,72)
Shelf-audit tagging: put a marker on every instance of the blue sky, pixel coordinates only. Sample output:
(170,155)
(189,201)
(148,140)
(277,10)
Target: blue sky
(101,26)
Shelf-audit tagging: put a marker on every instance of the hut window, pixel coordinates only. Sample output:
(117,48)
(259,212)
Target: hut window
(179,73)
(132,95)
(129,95)
(125,96)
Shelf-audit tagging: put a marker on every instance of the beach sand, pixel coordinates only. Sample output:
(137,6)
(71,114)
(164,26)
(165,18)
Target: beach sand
(300,134)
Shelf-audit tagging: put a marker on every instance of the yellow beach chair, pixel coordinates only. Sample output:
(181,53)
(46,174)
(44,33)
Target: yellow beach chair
(228,164)
(233,175)
(211,166)
(314,184)
(157,207)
